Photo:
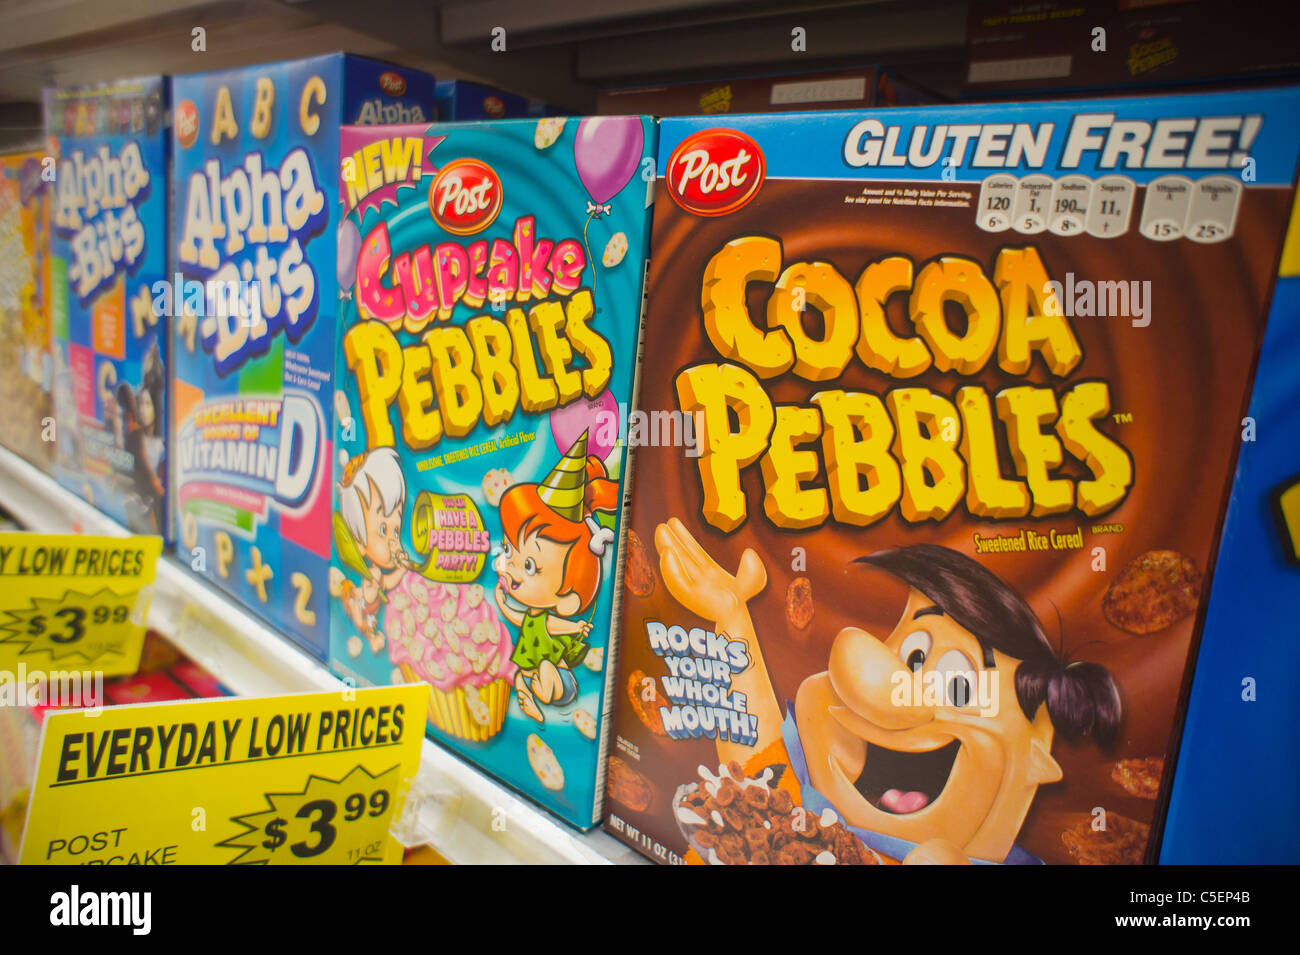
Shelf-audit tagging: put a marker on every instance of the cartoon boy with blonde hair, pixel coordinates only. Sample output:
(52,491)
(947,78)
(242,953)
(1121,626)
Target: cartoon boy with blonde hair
(371,497)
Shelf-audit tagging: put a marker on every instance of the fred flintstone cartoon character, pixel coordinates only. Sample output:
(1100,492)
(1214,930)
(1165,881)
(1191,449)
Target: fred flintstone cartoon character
(934,780)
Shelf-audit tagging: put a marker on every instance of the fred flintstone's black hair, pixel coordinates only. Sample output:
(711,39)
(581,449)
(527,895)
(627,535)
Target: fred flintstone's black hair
(1081,698)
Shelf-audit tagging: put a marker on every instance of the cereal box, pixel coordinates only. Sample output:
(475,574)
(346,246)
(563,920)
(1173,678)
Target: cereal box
(255,265)
(107,255)
(856,88)
(1237,729)
(1013,48)
(26,427)
(461,100)
(484,382)
(968,386)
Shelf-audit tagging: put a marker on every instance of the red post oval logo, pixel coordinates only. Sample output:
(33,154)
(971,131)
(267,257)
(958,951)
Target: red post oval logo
(715,172)
(394,84)
(186,119)
(465,196)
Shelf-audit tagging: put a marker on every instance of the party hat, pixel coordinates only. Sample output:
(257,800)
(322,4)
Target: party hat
(566,486)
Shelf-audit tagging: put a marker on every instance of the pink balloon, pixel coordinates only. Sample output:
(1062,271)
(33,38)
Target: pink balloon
(597,416)
(606,151)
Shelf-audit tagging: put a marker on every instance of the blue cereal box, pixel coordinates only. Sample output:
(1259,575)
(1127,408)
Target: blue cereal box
(460,100)
(488,362)
(255,267)
(1238,726)
(107,252)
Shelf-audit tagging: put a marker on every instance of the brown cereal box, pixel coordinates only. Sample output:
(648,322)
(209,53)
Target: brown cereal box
(967,388)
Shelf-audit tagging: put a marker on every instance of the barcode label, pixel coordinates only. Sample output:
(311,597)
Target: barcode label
(819,91)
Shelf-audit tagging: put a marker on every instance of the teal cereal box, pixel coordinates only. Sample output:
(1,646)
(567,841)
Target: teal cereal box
(491,319)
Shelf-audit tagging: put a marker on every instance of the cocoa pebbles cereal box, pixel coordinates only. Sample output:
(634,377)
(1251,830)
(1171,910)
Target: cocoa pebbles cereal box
(493,291)
(967,386)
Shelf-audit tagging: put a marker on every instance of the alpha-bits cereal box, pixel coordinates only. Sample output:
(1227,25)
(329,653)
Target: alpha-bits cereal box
(27,426)
(968,385)
(484,385)
(256,266)
(107,257)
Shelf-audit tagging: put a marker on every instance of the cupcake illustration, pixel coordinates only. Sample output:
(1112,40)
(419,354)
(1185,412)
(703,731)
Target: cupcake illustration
(450,636)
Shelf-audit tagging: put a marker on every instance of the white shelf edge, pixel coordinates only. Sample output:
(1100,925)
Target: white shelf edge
(253,659)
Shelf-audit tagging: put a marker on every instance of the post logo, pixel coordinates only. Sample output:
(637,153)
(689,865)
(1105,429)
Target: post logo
(187,124)
(715,172)
(465,196)
(394,84)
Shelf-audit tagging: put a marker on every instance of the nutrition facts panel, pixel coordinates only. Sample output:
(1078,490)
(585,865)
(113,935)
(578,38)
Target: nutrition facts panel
(1173,207)
(1204,210)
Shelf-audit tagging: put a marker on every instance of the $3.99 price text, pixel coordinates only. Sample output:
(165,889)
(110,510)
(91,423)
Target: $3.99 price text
(321,816)
(330,822)
(73,625)
(69,624)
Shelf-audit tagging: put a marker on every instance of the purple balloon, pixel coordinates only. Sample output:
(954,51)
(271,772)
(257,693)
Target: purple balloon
(349,247)
(607,150)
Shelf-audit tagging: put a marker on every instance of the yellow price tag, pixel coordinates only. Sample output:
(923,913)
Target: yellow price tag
(69,602)
(286,780)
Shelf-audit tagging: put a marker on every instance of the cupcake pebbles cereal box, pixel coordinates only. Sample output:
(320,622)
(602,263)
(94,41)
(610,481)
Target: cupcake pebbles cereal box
(256,267)
(491,315)
(969,384)
(108,257)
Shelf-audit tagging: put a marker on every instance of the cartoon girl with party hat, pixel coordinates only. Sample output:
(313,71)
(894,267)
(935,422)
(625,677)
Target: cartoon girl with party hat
(555,536)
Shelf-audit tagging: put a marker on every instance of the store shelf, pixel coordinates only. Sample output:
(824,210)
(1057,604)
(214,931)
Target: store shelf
(564,50)
(469,817)
(561,51)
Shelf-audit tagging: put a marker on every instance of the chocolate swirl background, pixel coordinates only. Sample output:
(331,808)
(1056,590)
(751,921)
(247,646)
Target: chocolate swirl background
(1184,380)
